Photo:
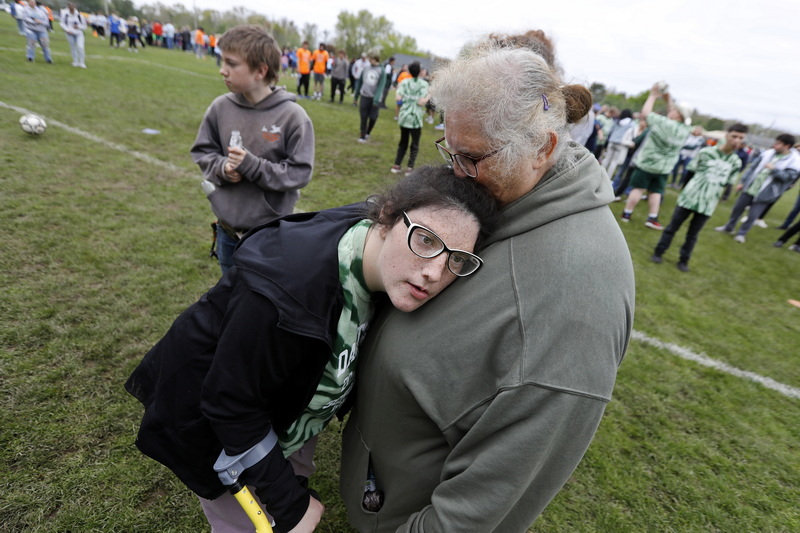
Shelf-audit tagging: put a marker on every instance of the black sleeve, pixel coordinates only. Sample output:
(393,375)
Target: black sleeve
(257,363)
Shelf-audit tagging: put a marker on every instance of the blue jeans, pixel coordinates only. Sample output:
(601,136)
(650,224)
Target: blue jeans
(170,42)
(225,246)
(44,41)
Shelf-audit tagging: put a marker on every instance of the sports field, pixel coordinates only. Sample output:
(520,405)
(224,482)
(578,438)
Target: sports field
(107,239)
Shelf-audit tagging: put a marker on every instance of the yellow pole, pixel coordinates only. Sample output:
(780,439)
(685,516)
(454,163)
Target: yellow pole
(254,511)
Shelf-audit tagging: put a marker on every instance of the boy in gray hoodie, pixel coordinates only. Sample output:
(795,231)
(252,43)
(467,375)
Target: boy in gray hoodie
(259,180)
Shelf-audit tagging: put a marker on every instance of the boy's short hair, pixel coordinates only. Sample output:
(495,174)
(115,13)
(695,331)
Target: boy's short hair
(738,127)
(256,47)
(786,139)
(414,69)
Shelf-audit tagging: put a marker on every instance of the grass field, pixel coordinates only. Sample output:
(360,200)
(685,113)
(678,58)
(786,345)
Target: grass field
(107,241)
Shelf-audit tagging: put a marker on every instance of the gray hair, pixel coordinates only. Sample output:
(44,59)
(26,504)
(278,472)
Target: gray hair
(505,90)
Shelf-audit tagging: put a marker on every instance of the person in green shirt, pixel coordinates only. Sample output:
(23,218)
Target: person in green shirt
(414,94)
(714,167)
(766,179)
(658,155)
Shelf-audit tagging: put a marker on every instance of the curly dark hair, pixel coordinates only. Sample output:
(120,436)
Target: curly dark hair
(435,186)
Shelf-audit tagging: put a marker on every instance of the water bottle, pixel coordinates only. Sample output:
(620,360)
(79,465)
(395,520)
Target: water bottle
(236,140)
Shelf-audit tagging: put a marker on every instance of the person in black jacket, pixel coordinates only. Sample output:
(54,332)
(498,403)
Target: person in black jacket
(261,363)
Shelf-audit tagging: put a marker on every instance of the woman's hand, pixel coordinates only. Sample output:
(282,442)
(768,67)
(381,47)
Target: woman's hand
(312,517)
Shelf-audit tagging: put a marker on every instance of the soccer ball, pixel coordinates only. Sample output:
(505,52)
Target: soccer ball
(32,124)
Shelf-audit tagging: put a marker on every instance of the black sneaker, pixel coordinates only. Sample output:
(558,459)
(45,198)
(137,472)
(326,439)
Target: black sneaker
(656,259)
(652,223)
(778,244)
(626,217)
(682,266)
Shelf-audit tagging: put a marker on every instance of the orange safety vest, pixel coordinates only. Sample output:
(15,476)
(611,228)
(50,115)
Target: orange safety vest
(303,61)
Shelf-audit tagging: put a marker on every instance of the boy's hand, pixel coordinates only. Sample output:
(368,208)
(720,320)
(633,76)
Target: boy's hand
(235,158)
(231,175)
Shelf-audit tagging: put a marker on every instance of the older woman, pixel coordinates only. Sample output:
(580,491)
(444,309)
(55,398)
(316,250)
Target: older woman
(476,421)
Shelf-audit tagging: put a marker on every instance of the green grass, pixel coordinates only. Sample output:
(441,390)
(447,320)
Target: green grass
(102,250)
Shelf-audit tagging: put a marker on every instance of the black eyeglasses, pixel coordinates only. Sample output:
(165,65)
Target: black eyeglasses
(468,164)
(426,244)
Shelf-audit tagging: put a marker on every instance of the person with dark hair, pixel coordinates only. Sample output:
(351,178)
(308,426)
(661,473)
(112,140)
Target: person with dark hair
(474,411)
(264,360)
(620,140)
(714,167)
(73,23)
(766,179)
(255,144)
(370,88)
(319,62)
(414,93)
(339,75)
(303,69)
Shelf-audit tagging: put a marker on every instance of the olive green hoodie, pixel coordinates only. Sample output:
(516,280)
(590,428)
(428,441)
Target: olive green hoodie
(476,409)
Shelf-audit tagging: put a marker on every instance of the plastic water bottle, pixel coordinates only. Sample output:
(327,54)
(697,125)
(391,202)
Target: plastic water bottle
(236,140)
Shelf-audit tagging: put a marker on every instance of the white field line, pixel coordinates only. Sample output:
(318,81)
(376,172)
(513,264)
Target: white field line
(119,147)
(704,360)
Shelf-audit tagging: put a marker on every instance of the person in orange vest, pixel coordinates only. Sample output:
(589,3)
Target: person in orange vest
(212,47)
(199,43)
(303,68)
(320,59)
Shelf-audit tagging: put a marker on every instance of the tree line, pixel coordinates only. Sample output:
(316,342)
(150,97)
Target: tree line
(354,32)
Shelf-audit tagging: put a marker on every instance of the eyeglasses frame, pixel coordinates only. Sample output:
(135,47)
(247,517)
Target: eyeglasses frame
(413,225)
(452,160)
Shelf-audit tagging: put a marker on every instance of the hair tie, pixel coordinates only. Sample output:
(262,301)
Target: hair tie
(545,103)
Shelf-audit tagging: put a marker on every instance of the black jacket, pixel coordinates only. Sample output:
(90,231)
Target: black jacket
(247,357)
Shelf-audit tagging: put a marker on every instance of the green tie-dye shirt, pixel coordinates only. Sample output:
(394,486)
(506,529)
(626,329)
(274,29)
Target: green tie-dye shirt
(339,375)
(714,169)
(663,145)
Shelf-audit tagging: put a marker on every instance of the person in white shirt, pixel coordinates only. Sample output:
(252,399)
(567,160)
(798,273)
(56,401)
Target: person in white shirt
(73,24)
(169,34)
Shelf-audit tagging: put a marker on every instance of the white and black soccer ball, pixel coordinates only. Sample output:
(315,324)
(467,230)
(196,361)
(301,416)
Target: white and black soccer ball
(33,124)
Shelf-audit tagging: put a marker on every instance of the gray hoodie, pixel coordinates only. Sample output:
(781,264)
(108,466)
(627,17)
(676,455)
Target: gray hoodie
(279,138)
(476,409)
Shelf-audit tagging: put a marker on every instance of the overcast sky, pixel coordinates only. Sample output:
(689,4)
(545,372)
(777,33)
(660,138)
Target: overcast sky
(735,59)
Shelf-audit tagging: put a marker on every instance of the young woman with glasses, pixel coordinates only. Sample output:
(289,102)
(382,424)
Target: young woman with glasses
(258,366)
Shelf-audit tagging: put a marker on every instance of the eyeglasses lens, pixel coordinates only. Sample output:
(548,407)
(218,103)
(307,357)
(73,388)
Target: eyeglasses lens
(462,264)
(425,244)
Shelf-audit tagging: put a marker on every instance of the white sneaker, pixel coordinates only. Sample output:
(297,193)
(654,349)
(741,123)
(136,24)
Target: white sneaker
(743,219)
(429,120)
(760,223)
(722,229)
(739,239)
(439,127)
